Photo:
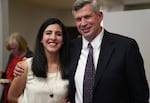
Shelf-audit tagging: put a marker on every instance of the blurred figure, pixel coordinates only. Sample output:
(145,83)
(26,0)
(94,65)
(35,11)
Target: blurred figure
(18,48)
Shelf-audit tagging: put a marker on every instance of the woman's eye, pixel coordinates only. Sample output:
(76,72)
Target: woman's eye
(59,33)
(48,33)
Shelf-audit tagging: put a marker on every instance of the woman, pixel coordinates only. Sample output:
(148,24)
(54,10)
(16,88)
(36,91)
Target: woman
(18,48)
(45,78)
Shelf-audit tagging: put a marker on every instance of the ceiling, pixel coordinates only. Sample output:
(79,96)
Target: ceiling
(54,4)
(65,4)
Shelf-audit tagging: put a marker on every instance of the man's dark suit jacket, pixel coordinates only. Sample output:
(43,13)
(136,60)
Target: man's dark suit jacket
(120,75)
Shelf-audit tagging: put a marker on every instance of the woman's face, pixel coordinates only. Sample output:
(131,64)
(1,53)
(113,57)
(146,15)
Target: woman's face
(52,38)
(13,47)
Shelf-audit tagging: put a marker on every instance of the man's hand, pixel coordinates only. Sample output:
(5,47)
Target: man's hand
(19,69)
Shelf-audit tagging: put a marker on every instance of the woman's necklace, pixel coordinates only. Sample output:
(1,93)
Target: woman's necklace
(53,85)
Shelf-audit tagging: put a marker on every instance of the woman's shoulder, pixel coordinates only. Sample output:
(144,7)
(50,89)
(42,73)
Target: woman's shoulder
(29,59)
(29,62)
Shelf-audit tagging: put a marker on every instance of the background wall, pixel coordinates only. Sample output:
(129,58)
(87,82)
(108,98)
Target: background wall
(134,24)
(27,18)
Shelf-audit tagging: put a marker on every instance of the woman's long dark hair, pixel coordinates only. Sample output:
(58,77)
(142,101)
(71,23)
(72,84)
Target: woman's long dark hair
(39,64)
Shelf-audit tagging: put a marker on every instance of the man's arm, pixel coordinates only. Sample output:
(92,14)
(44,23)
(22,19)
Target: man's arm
(19,70)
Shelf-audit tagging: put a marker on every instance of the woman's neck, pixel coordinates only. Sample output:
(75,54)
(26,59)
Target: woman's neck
(53,63)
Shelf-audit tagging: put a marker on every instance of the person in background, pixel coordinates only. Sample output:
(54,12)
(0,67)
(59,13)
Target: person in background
(18,48)
(119,75)
(45,77)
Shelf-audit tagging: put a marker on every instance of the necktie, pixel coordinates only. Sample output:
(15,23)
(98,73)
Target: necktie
(89,74)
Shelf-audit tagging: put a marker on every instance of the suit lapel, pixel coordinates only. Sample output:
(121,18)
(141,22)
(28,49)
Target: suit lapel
(104,57)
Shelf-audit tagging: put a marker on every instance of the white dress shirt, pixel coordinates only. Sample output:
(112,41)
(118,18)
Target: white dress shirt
(79,75)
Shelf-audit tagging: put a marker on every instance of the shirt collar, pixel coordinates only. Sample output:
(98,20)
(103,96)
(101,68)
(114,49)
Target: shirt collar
(96,42)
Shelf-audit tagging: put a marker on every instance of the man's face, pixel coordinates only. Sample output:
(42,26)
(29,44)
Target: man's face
(88,22)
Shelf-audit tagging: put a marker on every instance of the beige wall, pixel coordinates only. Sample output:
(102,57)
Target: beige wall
(27,19)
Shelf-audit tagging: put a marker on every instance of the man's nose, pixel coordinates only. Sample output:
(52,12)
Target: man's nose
(83,22)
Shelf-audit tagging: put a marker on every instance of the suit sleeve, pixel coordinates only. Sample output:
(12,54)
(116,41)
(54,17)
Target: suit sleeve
(135,73)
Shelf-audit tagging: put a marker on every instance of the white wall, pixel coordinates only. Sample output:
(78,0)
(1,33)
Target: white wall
(135,24)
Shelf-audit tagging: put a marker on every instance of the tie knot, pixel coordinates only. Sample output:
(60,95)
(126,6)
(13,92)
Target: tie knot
(90,46)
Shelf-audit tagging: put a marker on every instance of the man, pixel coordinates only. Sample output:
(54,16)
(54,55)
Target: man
(119,69)
(120,75)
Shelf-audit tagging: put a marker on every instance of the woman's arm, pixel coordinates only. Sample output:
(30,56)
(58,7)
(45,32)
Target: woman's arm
(18,84)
